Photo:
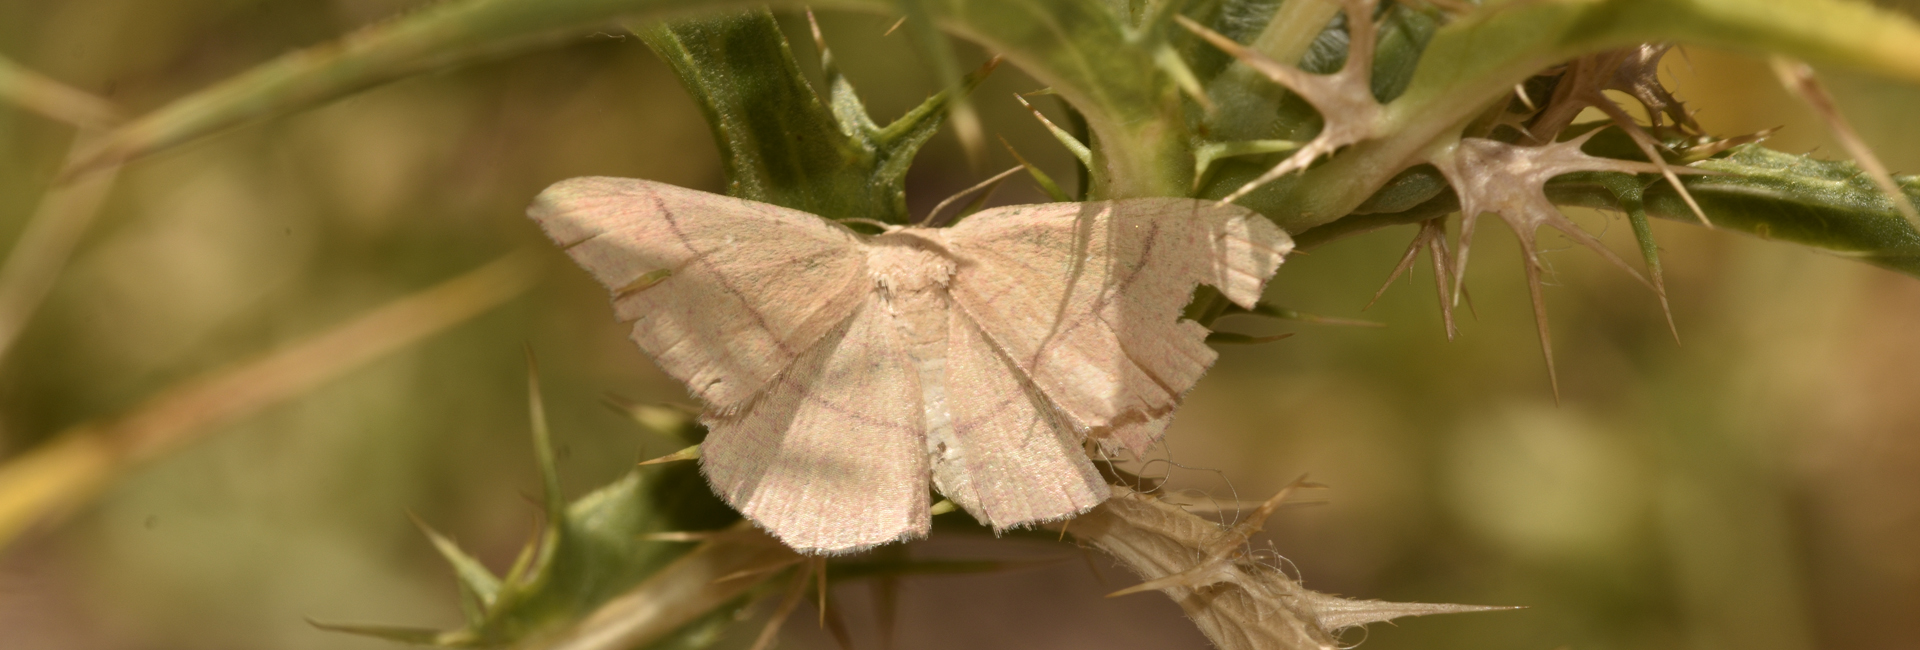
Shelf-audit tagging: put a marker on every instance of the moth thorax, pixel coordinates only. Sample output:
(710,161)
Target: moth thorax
(907,264)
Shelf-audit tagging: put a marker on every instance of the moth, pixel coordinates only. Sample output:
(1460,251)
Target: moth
(841,371)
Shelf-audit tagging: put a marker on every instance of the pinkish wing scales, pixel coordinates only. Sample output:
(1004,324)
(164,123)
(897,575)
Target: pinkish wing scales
(723,293)
(831,458)
(1086,299)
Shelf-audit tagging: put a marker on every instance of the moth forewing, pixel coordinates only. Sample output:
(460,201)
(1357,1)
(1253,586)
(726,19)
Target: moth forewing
(841,373)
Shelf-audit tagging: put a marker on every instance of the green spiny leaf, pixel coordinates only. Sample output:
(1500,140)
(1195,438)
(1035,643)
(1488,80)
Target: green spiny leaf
(847,108)
(439,36)
(1480,57)
(1077,46)
(543,444)
(1205,154)
(778,142)
(897,143)
(407,635)
(1074,146)
(1257,110)
(1039,177)
(1629,193)
(939,53)
(672,420)
(588,553)
(474,577)
(1827,205)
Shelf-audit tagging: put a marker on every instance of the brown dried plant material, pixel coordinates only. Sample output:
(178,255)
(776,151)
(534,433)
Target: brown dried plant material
(1636,72)
(1510,180)
(1348,110)
(1240,604)
(1432,237)
(841,371)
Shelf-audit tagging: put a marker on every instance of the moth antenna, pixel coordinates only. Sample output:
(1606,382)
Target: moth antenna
(932,219)
(871,222)
(896,26)
(1798,78)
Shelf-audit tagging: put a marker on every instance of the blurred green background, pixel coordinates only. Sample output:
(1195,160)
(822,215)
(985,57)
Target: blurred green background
(1756,486)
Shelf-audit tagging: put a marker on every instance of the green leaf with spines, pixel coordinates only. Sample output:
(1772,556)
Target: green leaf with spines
(589,552)
(1255,109)
(1828,205)
(1085,52)
(779,143)
(478,587)
(1478,58)
(1823,204)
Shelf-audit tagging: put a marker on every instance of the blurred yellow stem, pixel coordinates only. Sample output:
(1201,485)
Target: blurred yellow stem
(66,472)
(42,251)
(40,94)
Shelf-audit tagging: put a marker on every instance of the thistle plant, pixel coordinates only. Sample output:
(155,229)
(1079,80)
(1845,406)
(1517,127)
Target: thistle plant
(1331,118)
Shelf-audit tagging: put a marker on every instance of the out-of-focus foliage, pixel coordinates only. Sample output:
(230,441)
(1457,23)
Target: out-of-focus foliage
(593,551)
(779,141)
(1751,489)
